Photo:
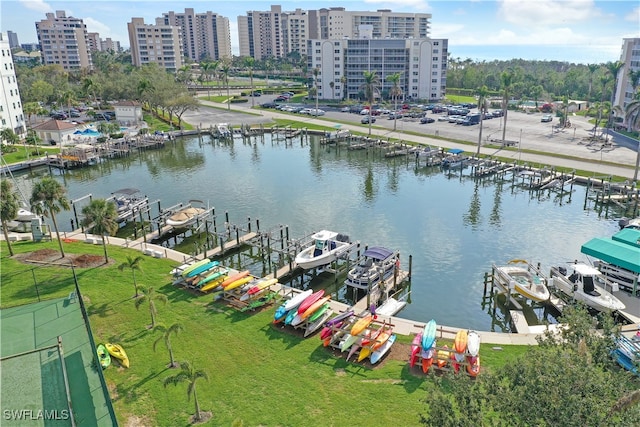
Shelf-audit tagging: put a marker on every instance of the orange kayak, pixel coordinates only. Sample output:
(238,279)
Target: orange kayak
(229,280)
(361,324)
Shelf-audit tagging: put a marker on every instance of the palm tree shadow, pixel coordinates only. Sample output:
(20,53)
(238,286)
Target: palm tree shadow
(131,393)
(102,310)
(176,294)
(411,378)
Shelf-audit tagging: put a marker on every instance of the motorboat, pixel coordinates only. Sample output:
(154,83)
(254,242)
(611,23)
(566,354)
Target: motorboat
(128,202)
(390,307)
(523,280)
(587,284)
(629,223)
(185,217)
(326,247)
(454,158)
(25,215)
(377,264)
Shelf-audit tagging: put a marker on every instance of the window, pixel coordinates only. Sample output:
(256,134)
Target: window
(434,80)
(436,43)
(434,66)
(434,73)
(435,58)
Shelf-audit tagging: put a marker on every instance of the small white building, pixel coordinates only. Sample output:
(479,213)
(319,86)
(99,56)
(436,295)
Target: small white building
(56,131)
(128,112)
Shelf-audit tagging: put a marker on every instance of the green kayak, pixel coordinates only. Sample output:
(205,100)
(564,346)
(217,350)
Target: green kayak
(103,356)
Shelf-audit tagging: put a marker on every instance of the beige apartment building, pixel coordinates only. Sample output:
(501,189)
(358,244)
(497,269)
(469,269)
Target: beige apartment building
(630,56)
(159,43)
(64,41)
(204,35)
(276,33)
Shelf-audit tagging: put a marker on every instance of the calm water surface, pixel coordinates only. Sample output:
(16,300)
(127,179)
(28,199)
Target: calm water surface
(454,227)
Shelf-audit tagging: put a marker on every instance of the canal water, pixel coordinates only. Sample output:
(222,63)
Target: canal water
(454,227)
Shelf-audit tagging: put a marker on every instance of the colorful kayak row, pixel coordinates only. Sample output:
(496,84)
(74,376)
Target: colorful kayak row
(465,350)
(307,309)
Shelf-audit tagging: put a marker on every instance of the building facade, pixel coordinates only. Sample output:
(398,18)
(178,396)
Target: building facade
(204,35)
(421,63)
(110,45)
(13,39)
(64,41)
(276,33)
(11,114)
(260,34)
(631,58)
(159,43)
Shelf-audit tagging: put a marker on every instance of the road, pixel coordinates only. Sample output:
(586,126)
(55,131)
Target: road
(569,148)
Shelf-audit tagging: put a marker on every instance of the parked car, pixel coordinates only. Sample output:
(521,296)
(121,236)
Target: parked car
(425,120)
(546,118)
(59,116)
(314,112)
(365,120)
(345,109)
(269,105)
(443,118)
(395,116)
(280,99)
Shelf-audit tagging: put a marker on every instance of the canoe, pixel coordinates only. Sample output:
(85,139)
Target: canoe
(340,318)
(213,284)
(384,334)
(229,280)
(291,314)
(314,307)
(415,349)
(429,334)
(358,345)
(259,302)
(297,300)
(261,285)
(280,314)
(443,356)
(238,283)
(201,269)
(473,368)
(473,343)
(315,324)
(116,350)
(103,356)
(361,324)
(454,362)
(304,305)
(460,341)
(379,353)
(193,266)
(348,342)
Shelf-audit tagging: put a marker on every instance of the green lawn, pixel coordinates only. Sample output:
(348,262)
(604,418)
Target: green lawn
(259,374)
(29,152)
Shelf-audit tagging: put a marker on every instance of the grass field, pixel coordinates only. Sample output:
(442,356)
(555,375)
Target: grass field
(258,374)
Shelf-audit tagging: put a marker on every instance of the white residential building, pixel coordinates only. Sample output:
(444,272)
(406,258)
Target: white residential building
(64,41)
(276,33)
(422,64)
(11,115)
(159,43)
(631,58)
(204,35)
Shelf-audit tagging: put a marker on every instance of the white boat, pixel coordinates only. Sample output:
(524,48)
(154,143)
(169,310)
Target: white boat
(128,202)
(390,307)
(629,223)
(377,264)
(327,247)
(587,284)
(523,281)
(25,215)
(185,217)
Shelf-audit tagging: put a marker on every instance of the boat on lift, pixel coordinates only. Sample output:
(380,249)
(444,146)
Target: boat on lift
(587,284)
(327,246)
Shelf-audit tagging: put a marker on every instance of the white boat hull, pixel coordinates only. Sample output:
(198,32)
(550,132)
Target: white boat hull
(603,302)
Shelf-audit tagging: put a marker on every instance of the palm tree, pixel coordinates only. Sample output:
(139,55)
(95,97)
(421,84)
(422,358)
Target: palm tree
(149,295)
(634,81)
(8,209)
(68,98)
(90,86)
(102,216)
(249,63)
(208,69)
(592,69)
(395,92)
(632,118)
(48,197)
(506,79)
(166,338)
(482,93)
(343,82)
(371,87)
(614,69)
(190,375)
(133,264)
(225,69)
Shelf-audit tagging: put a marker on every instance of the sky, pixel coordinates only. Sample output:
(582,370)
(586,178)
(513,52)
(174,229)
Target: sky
(577,31)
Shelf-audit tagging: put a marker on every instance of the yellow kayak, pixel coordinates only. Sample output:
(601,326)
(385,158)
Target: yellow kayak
(238,283)
(361,324)
(116,350)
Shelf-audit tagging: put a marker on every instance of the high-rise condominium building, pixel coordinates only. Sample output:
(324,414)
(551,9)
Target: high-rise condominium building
(278,33)
(421,63)
(13,39)
(94,41)
(631,58)
(159,43)
(204,35)
(110,45)
(64,41)
(11,115)
(260,34)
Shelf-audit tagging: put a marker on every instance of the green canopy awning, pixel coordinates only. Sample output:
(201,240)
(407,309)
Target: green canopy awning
(614,252)
(630,236)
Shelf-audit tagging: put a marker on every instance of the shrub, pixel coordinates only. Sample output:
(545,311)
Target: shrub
(238,100)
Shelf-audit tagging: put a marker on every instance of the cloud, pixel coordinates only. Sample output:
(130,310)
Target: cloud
(634,15)
(446,31)
(547,13)
(37,5)
(95,26)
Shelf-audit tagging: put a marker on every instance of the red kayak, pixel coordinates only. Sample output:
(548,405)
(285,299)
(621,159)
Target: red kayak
(415,349)
(310,300)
